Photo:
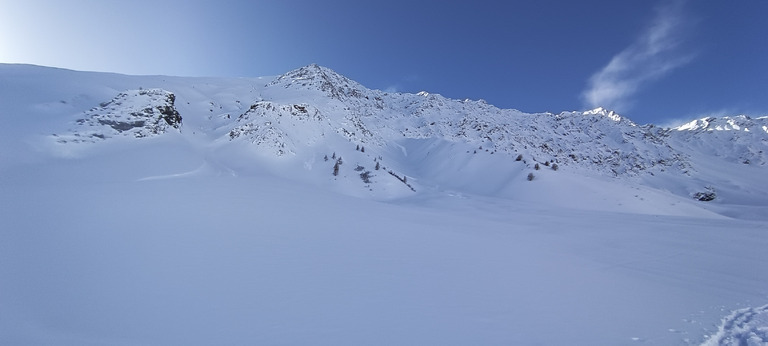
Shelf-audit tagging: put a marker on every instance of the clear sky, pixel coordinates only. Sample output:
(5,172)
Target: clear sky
(655,61)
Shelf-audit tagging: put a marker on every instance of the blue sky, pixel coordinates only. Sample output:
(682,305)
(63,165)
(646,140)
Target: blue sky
(653,61)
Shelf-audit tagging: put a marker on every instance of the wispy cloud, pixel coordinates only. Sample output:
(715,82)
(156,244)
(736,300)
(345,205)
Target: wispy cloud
(392,89)
(402,84)
(656,52)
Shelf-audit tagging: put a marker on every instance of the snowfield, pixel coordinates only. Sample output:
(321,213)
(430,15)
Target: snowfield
(232,228)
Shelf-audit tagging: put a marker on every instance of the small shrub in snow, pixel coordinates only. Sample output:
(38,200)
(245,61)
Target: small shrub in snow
(519,157)
(530,176)
(336,165)
(366,177)
(554,167)
(536,166)
(705,196)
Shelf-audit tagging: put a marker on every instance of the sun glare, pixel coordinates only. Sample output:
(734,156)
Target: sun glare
(11,33)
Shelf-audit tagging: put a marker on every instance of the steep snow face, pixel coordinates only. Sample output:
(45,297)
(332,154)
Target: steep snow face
(134,113)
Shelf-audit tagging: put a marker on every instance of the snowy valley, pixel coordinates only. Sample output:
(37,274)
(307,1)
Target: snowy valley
(308,209)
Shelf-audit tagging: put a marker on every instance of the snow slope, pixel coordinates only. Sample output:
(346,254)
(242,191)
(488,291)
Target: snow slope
(231,228)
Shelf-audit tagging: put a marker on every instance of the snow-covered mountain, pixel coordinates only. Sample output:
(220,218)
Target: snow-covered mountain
(392,145)
(599,140)
(308,209)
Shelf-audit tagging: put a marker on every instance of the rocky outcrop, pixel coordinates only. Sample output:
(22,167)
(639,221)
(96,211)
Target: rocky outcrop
(134,113)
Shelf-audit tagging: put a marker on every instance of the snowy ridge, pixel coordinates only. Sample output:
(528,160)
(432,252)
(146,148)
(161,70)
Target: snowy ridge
(739,139)
(736,123)
(599,139)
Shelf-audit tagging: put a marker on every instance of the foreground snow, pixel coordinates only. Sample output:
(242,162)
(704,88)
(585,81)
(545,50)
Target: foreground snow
(95,253)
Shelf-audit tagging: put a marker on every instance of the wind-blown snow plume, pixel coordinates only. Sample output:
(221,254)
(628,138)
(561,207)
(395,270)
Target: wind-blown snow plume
(654,54)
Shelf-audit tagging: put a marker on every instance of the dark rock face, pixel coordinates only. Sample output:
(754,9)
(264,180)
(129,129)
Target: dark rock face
(121,126)
(169,112)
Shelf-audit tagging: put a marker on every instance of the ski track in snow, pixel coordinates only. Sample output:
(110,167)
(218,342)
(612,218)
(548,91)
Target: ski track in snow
(204,169)
(748,326)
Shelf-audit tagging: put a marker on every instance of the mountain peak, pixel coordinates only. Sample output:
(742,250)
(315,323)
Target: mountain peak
(314,76)
(606,113)
(312,70)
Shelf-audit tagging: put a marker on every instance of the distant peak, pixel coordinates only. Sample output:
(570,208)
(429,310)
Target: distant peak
(727,123)
(313,71)
(606,113)
(315,68)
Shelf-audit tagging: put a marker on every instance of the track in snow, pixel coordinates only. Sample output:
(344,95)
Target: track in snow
(748,326)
